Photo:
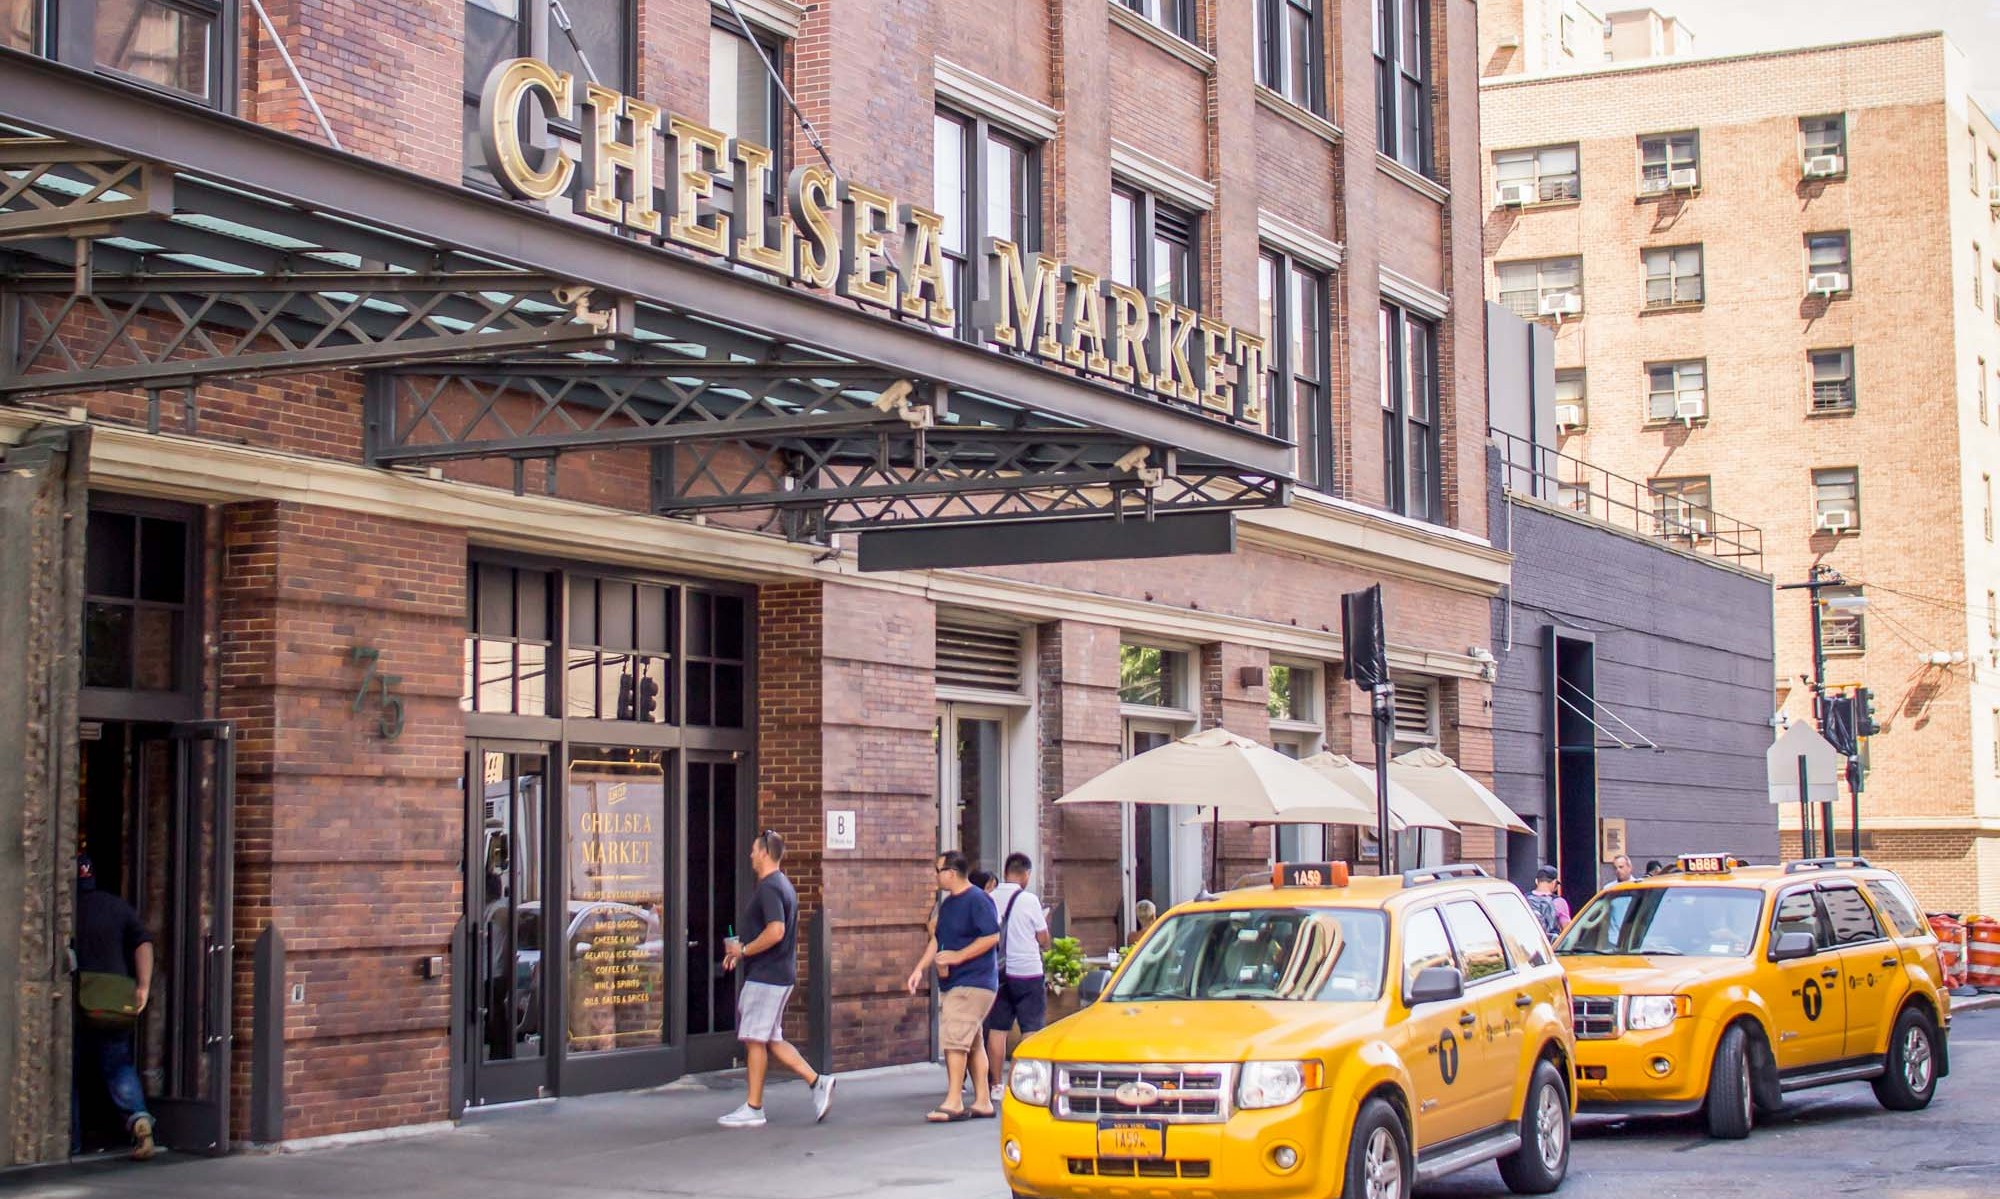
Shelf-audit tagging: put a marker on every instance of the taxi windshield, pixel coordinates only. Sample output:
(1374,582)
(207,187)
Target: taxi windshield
(1715,922)
(1262,953)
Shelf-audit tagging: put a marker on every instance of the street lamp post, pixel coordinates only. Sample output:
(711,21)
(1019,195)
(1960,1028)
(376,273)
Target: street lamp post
(1824,576)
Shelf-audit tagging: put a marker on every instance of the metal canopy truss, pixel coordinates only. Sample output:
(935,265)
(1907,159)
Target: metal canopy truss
(207,250)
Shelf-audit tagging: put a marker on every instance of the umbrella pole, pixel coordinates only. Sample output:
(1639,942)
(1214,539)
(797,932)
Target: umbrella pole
(1214,845)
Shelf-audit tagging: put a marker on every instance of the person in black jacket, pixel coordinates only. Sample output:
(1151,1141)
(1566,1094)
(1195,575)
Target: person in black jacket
(111,940)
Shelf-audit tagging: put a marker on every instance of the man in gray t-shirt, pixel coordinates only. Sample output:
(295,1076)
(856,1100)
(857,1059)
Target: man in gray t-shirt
(770,971)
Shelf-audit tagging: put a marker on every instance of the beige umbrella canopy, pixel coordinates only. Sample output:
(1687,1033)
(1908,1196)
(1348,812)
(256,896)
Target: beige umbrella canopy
(1461,798)
(1357,786)
(1216,769)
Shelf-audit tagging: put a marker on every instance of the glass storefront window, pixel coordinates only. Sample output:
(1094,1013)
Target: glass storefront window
(136,595)
(715,665)
(615,944)
(507,656)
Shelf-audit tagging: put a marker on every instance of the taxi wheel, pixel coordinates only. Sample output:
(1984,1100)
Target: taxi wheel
(1911,1075)
(1542,1161)
(1378,1155)
(1731,1104)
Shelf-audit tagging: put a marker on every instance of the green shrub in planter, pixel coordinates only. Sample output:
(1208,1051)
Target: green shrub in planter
(1062,963)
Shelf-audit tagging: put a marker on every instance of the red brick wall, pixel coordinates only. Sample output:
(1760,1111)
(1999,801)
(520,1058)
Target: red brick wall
(348,844)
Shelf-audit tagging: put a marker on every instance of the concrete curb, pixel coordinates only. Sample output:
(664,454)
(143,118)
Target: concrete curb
(1974,1003)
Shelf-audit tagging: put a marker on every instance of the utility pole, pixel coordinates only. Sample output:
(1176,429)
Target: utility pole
(1823,576)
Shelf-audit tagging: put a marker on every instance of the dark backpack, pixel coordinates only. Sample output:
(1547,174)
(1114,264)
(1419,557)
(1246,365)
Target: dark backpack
(1544,908)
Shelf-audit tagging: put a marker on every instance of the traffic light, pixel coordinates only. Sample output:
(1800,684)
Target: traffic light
(626,697)
(1864,713)
(1837,722)
(649,698)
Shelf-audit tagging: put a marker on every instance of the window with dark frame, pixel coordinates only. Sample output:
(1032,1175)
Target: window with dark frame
(186,48)
(1832,379)
(986,182)
(1293,309)
(1821,137)
(1403,82)
(138,587)
(620,650)
(745,101)
(1411,455)
(1673,276)
(1155,247)
(1290,60)
(1677,390)
(511,622)
(496,30)
(1663,154)
(1174,16)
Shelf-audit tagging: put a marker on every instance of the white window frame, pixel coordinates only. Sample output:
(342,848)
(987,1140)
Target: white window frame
(1542,267)
(1682,387)
(1813,380)
(1674,156)
(1848,501)
(1677,280)
(1185,865)
(1580,376)
(1305,733)
(1544,180)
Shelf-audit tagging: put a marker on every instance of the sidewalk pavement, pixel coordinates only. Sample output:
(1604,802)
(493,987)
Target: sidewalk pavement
(640,1145)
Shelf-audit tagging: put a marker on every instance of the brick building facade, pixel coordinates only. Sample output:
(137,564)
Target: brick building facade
(1773,290)
(438,698)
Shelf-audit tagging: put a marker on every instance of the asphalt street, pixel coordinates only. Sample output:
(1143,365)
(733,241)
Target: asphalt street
(664,1143)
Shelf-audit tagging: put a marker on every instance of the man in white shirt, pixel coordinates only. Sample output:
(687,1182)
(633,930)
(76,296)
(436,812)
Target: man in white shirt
(1023,997)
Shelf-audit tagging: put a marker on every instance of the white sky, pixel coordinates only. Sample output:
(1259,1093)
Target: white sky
(1735,26)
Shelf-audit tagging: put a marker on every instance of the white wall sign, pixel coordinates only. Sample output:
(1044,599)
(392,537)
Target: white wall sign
(840,830)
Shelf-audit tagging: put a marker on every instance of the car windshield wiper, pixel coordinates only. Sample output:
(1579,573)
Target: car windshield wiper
(1139,995)
(1658,950)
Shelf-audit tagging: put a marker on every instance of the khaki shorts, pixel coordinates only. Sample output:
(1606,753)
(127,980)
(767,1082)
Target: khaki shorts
(961,1016)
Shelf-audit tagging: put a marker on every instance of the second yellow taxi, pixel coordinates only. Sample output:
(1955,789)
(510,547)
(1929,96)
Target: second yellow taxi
(1718,987)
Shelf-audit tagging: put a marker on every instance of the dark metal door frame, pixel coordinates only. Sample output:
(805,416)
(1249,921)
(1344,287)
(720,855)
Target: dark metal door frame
(492,1082)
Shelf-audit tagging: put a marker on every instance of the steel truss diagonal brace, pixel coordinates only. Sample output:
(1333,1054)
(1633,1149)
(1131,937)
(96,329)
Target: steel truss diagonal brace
(51,189)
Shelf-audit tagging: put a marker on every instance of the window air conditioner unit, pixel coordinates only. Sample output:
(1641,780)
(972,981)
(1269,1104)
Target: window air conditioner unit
(1836,520)
(1684,179)
(1652,185)
(1690,406)
(1569,416)
(1822,166)
(1827,283)
(1696,527)
(1561,304)
(1516,195)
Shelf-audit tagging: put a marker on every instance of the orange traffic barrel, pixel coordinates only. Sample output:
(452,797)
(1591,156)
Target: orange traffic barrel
(1982,936)
(1950,934)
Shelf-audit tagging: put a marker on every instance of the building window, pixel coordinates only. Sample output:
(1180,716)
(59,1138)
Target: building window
(1403,82)
(140,579)
(1568,34)
(1995,268)
(1682,507)
(1996,740)
(1829,265)
(511,641)
(1293,307)
(497,30)
(1543,287)
(1841,630)
(1673,276)
(1154,247)
(618,658)
(745,101)
(1986,505)
(1992,616)
(1677,390)
(985,183)
(1823,143)
(1289,56)
(1163,860)
(183,47)
(1837,500)
(1411,456)
(1832,379)
(1298,731)
(1978,276)
(973,783)
(1151,676)
(1972,160)
(1174,16)
(1669,162)
(1572,400)
(1979,377)
(1539,176)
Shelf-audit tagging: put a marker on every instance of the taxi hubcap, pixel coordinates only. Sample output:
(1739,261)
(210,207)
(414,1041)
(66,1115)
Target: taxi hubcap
(1917,1060)
(1384,1166)
(1549,1127)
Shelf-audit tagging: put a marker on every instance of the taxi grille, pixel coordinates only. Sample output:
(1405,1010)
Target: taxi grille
(1596,1017)
(1114,1167)
(1182,1094)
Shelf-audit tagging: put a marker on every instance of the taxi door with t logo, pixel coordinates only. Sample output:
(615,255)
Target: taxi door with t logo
(1436,1039)
(1871,964)
(1808,1000)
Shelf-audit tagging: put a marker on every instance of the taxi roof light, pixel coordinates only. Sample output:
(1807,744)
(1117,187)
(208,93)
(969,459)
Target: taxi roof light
(1708,863)
(1439,874)
(1309,874)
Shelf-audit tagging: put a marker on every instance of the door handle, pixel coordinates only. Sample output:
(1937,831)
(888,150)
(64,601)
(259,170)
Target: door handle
(1889,963)
(1524,1001)
(1829,973)
(1467,1019)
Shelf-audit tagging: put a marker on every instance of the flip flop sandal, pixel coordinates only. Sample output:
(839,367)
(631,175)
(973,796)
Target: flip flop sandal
(979,1115)
(938,1115)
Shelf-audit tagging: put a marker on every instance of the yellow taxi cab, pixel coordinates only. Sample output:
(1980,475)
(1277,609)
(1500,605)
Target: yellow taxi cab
(1321,1036)
(1718,987)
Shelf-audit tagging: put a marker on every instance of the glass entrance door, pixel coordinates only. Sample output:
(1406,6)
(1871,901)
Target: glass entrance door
(507,867)
(972,783)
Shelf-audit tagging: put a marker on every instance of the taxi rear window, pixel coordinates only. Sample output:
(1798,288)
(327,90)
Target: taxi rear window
(1669,921)
(1895,901)
(1261,953)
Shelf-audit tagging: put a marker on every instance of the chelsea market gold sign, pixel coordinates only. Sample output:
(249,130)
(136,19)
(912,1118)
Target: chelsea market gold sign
(857,241)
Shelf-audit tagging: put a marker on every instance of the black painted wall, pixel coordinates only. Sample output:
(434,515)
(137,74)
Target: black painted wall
(1684,653)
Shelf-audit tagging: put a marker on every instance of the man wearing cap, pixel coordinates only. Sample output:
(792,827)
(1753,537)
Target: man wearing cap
(114,971)
(1550,909)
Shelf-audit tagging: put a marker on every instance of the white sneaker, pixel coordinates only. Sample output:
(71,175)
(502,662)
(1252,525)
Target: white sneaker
(743,1117)
(822,1096)
(999,1092)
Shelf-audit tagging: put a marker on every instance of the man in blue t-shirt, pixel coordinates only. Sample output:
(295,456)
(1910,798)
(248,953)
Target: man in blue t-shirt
(968,931)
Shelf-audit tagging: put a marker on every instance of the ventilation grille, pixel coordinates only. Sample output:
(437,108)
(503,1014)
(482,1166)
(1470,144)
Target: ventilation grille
(1414,708)
(978,656)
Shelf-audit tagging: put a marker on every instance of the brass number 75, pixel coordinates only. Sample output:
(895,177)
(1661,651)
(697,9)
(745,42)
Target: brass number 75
(390,722)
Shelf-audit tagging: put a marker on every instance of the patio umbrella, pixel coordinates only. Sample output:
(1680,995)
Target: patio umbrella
(1235,777)
(1357,785)
(1461,798)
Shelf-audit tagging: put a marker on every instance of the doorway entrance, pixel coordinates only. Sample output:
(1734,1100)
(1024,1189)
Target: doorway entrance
(507,865)
(972,783)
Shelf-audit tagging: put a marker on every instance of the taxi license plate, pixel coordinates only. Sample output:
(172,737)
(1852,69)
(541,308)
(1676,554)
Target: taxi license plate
(1132,1140)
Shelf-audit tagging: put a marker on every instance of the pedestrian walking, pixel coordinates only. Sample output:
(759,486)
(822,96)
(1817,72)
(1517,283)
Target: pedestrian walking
(1023,996)
(114,973)
(770,971)
(1550,910)
(1621,869)
(962,948)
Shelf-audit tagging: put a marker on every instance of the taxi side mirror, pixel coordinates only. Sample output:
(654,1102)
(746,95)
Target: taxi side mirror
(1435,984)
(1091,988)
(1790,947)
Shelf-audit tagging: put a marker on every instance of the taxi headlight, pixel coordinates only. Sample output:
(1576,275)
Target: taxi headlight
(1030,1082)
(1644,1013)
(1274,1084)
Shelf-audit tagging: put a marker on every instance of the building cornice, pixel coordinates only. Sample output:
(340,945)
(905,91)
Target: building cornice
(1161,177)
(958,86)
(1300,242)
(1189,53)
(1313,123)
(1502,82)
(1416,181)
(1328,530)
(1414,295)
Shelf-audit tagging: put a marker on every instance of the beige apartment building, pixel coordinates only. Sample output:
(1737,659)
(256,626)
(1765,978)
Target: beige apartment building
(1774,281)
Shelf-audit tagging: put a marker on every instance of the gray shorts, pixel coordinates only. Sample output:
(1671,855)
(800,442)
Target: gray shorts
(760,1012)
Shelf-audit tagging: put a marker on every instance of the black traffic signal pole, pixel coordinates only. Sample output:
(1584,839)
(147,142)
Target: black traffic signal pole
(1384,696)
(1822,576)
